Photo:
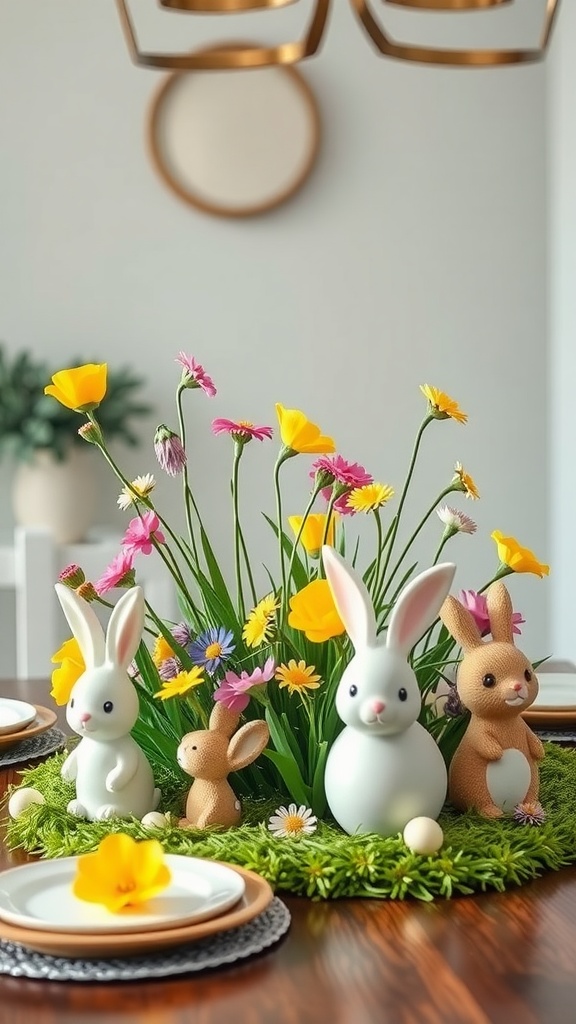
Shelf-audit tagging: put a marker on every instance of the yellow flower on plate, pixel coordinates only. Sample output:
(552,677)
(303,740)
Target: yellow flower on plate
(312,610)
(517,558)
(441,406)
(71,668)
(82,388)
(312,535)
(462,481)
(300,434)
(181,683)
(297,676)
(161,650)
(121,873)
(259,625)
(369,497)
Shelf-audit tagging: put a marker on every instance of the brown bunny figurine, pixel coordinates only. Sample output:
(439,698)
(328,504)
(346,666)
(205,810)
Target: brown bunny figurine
(209,755)
(495,766)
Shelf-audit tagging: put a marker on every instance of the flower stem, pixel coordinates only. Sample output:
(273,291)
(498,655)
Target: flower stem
(285,453)
(238,449)
(188,498)
(307,512)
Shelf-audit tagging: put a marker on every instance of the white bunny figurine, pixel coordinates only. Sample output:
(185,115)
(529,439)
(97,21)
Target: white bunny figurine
(113,777)
(384,768)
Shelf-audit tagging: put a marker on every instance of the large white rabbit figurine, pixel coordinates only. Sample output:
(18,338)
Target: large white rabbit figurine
(384,768)
(112,775)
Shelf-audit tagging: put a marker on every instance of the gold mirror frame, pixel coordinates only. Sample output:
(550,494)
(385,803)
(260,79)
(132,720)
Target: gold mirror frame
(225,6)
(221,58)
(446,5)
(388,47)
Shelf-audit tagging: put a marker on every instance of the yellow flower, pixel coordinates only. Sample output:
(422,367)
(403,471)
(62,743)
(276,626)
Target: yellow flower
(260,623)
(369,497)
(441,406)
(297,677)
(181,683)
(300,434)
(161,650)
(81,388)
(462,481)
(313,611)
(121,873)
(313,533)
(517,558)
(72,667)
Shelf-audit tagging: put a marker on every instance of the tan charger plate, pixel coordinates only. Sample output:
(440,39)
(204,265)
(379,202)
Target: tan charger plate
(45,719)
(556,718)
(257,897)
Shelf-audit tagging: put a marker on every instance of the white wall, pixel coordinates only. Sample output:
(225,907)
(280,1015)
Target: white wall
(415,253)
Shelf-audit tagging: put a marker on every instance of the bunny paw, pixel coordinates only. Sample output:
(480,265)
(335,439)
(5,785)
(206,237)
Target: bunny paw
(491,811)
(77,809)
(106,811)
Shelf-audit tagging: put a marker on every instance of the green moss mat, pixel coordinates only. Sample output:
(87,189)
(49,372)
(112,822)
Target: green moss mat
(477,855)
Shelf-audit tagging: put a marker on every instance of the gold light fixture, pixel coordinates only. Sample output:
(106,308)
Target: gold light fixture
(224,57)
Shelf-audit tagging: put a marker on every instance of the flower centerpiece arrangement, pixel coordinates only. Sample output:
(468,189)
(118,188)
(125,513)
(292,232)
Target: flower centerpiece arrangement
(277,653)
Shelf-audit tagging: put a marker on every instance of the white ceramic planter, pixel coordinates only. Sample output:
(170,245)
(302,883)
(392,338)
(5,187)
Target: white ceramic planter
(59,496)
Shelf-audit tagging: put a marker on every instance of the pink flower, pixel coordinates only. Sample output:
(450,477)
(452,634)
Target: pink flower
(169,450)
(233,690)
(141,534)
(242,431)
(194,375)
(72,576)
(478,608)
(120,573)
(344,476)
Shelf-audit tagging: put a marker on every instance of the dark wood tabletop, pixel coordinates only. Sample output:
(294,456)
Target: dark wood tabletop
(480,960)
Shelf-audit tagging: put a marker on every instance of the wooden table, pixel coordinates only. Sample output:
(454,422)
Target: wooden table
(481,960)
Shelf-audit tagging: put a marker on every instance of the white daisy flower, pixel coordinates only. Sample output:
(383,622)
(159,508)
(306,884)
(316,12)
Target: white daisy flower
(456,521)
(143,484)
(292,821)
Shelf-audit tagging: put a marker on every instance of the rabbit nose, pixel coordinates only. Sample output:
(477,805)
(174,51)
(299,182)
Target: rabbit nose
(378,706)
(517,687)
(85,718)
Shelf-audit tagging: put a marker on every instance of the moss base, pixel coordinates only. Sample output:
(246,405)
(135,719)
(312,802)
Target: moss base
(477,855)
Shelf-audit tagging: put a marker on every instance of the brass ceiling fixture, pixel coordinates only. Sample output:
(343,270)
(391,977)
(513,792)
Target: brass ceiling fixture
(225,57)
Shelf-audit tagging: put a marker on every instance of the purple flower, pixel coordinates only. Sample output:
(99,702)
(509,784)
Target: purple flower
(182,634)
(211,648)
(529,813)
(169,668)
(169,450)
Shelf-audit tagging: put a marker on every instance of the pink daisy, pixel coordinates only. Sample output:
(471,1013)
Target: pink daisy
(345,475)
(194,375)
(478,608)
(233,690)
(141,534)
(242,430)
(120,573)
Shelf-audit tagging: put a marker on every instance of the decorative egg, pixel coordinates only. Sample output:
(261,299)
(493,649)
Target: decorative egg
(22,799)
(154,819)
(423,835)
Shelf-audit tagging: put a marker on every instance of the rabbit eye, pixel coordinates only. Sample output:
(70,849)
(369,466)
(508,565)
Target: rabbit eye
(353,690)
(527,676)
(489,680)
(194,748)
(402,693)
(107,706)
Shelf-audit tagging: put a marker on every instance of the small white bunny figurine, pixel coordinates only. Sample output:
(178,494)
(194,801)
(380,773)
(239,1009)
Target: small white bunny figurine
(113,777)
(384,768)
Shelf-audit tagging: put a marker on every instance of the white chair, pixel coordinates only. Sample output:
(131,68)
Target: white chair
(30,568)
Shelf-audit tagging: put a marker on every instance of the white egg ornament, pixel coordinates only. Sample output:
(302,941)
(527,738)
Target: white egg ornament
(154,819)
(22,799)
(423,835)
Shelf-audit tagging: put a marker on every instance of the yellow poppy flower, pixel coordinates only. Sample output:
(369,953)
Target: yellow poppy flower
(121,873)
(82,388)
(441,406)
(369,497)
(181,683)
(517,558)
(161,650)
(260,623)
(313,533)
(462,481)
(71,668)
(300,434)
(312,610)
(297,677)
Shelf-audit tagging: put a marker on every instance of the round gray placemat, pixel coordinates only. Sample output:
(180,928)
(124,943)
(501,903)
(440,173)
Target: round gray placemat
(47,743)
(214,951)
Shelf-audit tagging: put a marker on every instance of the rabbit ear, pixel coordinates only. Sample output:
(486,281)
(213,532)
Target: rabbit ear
(222,719)
(460,624)
(418,605)
(125,628)
(84,624)
(499,607)
(247,744)
(351,597)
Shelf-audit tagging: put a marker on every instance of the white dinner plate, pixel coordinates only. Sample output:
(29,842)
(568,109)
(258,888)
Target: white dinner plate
(557,692)
(15,715)
(39,895)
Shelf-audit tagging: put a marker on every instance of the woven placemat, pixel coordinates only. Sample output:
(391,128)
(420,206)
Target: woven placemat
(214,951)
(38,746)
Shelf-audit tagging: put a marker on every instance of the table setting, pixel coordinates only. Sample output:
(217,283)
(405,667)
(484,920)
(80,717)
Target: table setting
(27,731)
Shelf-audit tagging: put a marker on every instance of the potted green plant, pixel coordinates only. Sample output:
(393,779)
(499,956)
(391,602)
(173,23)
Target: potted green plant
(55,482)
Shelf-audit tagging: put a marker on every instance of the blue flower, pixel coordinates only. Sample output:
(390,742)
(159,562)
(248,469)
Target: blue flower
(212,648)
